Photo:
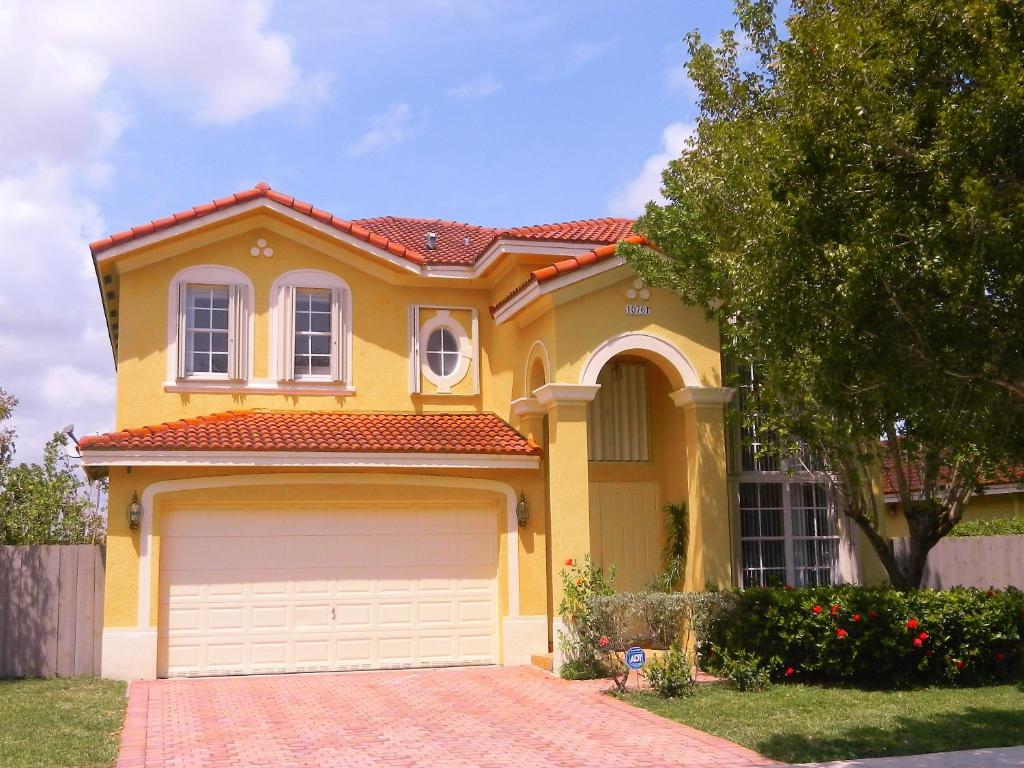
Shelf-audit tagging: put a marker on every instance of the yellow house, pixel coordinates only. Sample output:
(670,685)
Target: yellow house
(371,444)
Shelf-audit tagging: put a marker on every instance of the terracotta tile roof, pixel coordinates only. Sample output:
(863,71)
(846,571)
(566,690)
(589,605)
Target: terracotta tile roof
(1006,476)
(457,243)
(300,431)
(566,266)
(584,231)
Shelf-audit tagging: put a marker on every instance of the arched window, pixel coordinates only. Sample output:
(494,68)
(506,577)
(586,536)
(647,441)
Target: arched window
(311,334)
(209,327)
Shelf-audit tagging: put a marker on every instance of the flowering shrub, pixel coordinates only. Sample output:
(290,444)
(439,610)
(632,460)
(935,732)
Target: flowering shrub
(671,674)
(583,655)
(872,636)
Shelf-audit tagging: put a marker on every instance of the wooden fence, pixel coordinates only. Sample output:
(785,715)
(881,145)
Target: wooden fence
(972,561)
(51,610)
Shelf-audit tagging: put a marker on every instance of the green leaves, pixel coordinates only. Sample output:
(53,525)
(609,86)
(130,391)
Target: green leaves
(44,503)
(852,213)
(877,637)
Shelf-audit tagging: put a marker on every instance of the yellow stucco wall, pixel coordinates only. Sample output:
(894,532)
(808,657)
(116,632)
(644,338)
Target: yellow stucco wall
(689,456)
(981,507)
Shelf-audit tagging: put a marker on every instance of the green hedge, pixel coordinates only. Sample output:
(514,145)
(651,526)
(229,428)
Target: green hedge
(1003,526)
(880,637)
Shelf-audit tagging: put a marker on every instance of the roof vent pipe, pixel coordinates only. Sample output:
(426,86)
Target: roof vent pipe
(431,241)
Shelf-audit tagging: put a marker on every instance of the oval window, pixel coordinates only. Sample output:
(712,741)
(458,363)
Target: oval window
(442,352)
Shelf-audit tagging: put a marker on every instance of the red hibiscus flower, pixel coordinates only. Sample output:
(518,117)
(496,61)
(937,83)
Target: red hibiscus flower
(789,671)
(911,623)
(816,610)
(604,641)
(960,664)
(570,562)
(918,642)
(1000,656)
(855,617)
(923,636)
(840,633)
(789,587)
(835,609)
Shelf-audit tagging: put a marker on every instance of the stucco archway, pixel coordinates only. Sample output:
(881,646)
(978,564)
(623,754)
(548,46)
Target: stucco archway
(667,356)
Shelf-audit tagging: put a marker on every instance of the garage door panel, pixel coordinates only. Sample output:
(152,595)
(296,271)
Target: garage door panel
(328,589)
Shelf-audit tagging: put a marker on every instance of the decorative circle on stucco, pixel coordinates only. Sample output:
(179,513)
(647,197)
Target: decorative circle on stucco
(261,249)
(638,291)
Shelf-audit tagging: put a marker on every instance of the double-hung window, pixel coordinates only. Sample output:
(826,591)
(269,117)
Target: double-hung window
(212,331)
(788,526)
(311,332)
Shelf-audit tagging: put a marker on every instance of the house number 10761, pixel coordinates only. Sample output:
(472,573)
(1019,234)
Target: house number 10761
(638,309)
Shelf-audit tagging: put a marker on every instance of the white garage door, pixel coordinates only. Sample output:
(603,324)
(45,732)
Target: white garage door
(259,590)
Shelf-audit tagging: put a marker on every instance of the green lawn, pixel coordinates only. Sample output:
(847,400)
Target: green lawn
(70,723)
(803,723)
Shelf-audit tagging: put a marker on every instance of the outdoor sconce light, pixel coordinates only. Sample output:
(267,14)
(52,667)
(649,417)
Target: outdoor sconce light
(523,510)
(134,512)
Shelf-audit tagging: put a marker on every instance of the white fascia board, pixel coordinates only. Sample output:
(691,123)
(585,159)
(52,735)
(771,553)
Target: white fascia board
(535,290)
(502,247)
(250,205)
(116,458)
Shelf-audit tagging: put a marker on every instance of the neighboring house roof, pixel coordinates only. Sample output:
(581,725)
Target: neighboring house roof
(324,432)
(457,244)
(566,266)
(890,478)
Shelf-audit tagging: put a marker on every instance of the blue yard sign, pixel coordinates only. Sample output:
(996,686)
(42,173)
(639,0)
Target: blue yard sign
(635,658)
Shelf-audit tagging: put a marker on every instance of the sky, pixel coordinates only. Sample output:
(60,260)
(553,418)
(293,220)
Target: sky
(492,112)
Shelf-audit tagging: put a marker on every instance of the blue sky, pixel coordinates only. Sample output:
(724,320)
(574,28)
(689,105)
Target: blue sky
(498,113)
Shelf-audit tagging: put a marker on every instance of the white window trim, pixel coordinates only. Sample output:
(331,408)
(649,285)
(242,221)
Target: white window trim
(845,571)
(206,274)
(469,348)
(311,278)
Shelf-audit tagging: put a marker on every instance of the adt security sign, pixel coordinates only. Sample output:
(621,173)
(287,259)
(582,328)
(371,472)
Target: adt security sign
(635,658)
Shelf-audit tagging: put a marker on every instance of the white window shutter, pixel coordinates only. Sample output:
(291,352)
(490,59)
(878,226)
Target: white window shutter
(286,363)
(336,368)
(238,332)
(182,369)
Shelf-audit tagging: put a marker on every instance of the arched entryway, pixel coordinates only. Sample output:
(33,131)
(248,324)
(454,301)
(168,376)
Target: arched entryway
(636,450)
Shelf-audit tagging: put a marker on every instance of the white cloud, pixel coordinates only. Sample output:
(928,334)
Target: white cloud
(67,72)
(579,55)
(387,130)
(477,88)
(631,198)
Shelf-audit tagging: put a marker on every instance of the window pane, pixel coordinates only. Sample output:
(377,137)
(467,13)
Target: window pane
(321,322)
(320,345)
(762,534)
(313,338)
(442,352)
(206,328)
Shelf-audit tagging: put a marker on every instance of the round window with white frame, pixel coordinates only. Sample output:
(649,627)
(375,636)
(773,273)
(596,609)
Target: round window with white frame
(445,351)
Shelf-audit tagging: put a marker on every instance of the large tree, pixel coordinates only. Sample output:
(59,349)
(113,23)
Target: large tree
(851,210)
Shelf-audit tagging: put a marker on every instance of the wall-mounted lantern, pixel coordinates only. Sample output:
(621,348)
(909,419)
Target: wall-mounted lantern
(134,512)
(523,510)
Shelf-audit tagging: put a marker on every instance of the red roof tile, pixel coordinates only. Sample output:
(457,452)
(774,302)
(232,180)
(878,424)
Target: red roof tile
(302,431)
(912,470)
(566,266)
(260,190)
(457,243)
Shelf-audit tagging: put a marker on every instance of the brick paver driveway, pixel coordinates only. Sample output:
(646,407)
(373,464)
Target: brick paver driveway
(484,716)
